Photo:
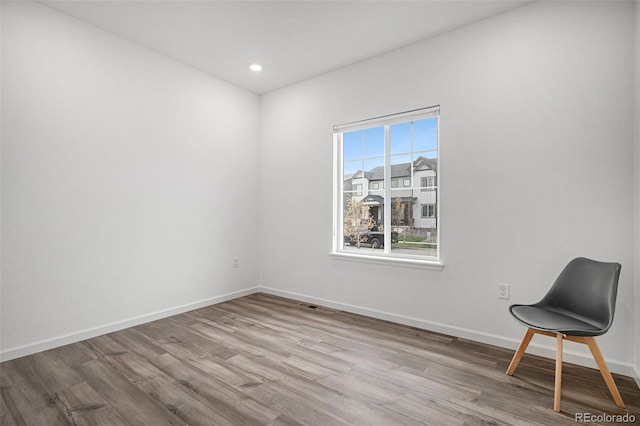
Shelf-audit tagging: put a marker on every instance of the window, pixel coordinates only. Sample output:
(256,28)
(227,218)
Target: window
(398,156)
(429,210)
(427,183)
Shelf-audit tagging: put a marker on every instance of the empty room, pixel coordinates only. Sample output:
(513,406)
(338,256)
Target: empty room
(320,212)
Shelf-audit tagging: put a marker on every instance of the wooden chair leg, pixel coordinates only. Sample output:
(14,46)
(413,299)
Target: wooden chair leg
(604,370)
(595,351)
(520,352)
(557,391)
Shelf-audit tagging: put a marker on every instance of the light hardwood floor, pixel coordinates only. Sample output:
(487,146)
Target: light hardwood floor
(265,360)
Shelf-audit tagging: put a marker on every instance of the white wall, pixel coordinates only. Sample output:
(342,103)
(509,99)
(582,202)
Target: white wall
(536,169)
(128,183)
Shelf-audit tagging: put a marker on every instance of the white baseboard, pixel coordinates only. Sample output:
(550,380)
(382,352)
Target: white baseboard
(547,351)
(78,336)
(636,374)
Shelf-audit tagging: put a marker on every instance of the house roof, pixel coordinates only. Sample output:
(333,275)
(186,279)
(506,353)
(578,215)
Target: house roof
(377,199)
(423,163)
(371,198)
(398,170)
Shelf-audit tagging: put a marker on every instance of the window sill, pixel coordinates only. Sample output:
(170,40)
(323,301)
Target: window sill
(388,260)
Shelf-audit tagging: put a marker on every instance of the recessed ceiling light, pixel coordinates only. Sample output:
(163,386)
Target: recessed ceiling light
(255,67)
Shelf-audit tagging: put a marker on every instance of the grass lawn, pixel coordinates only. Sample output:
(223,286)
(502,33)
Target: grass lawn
(413,245)
(410,238)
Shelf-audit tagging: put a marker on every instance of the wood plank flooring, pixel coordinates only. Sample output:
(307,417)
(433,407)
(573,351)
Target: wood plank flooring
(265,360)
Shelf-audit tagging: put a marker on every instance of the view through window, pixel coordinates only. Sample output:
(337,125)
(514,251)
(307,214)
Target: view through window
(387,189)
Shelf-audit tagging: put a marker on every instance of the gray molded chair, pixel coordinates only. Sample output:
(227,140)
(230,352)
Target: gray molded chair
(579,306)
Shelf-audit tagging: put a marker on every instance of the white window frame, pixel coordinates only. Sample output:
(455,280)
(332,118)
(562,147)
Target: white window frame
(428,216)
(338,209)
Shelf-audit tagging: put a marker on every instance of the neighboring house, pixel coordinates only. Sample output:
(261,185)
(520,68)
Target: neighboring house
(413,192)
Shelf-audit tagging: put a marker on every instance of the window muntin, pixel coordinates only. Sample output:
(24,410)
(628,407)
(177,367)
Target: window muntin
(395,162)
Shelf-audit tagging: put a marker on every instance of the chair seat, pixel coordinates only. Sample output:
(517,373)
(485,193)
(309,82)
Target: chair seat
(549,320)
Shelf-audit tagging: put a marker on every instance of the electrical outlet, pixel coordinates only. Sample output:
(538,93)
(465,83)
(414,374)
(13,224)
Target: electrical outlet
(503,291)
(236,262)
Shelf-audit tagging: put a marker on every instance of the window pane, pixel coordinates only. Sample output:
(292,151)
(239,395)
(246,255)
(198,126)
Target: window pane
(363,225)
(401,213)
(415,220)
(416,235)
(400,138)
(374,169)
(351,167)
(352,145)
(400,170)
(424,172)
(425,135)
(374,142)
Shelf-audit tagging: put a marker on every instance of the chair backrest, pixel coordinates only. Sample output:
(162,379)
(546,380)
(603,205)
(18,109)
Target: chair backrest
(587,289)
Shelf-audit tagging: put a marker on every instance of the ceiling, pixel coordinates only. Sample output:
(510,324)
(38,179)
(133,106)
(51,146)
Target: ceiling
(293,40)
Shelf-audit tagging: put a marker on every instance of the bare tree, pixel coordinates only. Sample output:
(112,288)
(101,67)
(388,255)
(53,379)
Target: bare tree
(357,221)
(396,211)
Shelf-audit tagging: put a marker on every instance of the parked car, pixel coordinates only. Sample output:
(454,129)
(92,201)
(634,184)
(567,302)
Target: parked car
(374,238)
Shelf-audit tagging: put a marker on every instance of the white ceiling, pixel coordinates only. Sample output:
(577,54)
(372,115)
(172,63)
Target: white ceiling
(293,40)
